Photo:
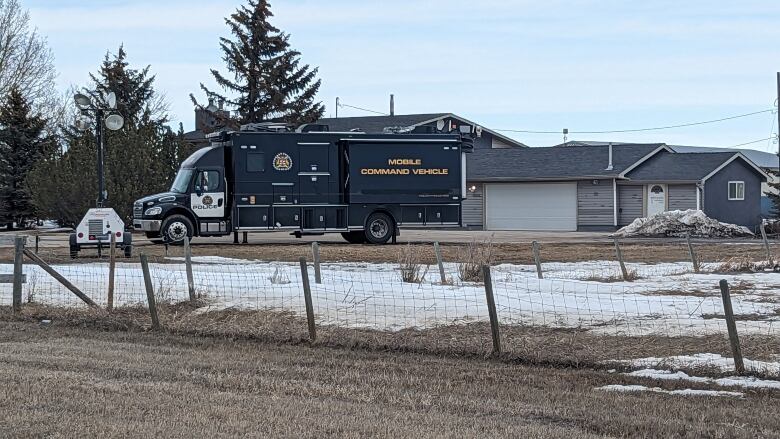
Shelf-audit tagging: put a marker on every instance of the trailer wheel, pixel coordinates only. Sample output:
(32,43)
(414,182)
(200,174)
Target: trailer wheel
(354,237)
(175,228)
(379,228)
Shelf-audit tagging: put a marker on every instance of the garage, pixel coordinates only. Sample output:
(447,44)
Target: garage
(531,206)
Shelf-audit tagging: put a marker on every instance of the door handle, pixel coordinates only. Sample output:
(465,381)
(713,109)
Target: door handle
(219,202)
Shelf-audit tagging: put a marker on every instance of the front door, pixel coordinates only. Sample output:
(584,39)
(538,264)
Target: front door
(656,199)
(208,196)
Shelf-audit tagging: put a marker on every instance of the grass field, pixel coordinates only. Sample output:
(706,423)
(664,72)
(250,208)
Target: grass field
(66,382)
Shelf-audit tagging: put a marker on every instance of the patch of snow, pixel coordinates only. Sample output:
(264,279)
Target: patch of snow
(748,382)
(712,361)
(680,223)
(679,392)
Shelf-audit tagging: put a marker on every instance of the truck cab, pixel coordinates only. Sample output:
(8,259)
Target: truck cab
(363,186)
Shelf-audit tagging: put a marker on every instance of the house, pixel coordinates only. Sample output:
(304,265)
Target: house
(486,138)
(601,187)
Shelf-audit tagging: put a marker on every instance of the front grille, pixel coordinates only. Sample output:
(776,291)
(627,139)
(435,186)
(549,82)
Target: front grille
(95,227)
(138,211)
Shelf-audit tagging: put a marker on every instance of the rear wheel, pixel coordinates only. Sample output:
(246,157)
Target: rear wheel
(379,228)
(355,237)
(175,228)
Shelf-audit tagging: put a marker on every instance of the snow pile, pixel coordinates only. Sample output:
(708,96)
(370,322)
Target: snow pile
(680,223)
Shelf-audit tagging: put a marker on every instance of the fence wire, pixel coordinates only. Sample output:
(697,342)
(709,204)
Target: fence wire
(578,313)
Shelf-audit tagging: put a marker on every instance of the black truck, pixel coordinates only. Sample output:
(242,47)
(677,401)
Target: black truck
(311,181)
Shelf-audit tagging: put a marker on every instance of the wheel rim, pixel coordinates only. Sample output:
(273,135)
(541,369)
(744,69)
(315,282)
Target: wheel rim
(379,228)
(177,231)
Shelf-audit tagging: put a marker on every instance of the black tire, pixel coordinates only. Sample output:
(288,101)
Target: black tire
(379,228)
(358,237)
(175,228)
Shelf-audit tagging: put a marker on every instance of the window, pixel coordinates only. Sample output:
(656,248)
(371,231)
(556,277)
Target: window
(208,181)
(255,162)
(182,181)
(736,190)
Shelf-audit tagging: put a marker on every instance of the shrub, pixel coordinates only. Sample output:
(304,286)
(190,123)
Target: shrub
(471,259)
(409,263)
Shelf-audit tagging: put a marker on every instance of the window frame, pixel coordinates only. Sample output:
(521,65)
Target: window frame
(737,196)
(198,180)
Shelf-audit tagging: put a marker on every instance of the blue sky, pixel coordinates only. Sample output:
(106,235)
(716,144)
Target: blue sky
(528,65)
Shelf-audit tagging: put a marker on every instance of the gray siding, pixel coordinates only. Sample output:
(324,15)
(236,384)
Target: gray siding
(630,203)
(681,196)
(716,202)
(595,203)
(473,206)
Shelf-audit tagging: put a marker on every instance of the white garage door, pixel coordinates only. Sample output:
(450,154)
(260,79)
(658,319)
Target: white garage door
(531,206)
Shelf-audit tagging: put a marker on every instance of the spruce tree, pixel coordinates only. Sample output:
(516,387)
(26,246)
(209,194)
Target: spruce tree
(140,159)
(266,81)
(22,142)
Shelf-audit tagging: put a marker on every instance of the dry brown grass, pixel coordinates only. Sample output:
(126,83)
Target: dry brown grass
(631,275)
(76,382)
(742,264)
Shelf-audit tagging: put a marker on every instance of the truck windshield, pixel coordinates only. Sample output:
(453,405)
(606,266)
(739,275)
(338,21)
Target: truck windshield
(182,181)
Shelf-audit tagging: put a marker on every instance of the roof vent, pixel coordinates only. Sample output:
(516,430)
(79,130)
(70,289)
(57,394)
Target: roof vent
(609,166)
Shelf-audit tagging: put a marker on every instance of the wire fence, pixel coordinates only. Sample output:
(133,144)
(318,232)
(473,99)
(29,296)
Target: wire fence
(595,313)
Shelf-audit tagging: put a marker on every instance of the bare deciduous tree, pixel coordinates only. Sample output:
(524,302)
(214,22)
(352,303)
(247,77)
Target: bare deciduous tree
(26,61)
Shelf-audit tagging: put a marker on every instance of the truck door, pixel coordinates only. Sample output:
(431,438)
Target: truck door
(313,173)
(208,196)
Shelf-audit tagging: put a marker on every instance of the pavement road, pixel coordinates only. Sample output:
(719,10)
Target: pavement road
(407,235)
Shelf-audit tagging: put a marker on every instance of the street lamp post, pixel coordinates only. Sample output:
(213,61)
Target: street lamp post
(113,122)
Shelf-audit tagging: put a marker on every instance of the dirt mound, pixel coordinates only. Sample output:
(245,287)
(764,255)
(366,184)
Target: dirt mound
(679,223)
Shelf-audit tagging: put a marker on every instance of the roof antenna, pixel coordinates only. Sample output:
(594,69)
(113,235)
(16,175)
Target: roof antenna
(609,167)
(392,105)
(565,135)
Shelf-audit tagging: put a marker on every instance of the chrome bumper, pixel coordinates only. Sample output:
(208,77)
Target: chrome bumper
(146,225)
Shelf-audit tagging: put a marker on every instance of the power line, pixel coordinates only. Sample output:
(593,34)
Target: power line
(362,109)
(634,130)
(750,143)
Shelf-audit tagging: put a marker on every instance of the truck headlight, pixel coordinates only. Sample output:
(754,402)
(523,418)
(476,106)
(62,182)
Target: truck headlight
(153,211)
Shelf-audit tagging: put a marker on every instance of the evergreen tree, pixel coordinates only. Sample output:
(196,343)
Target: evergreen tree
(140,159)
(22,142)
(774,195)
(266,76)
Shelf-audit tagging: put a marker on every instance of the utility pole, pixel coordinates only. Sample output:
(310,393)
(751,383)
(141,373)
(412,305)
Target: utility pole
(778,126)
(101,199)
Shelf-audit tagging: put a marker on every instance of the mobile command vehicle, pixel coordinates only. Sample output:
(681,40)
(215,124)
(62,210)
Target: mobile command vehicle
(264,178)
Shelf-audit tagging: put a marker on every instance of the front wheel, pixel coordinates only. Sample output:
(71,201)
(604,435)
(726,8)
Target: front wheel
(379,228)
(175,229)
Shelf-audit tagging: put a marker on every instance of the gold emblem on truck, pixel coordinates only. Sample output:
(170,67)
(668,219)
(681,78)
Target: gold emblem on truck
(282,162)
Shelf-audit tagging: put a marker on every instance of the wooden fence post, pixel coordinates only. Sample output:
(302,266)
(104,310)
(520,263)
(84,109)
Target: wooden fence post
(37,243)
(692,253)
(150,293)
(315,250)
(111,270)
(440,261)
(766,244)
(491,304)
(188,268)
(60,278)
(19,242)
(619,253)
(731,324)
(308,301)
(537,260)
